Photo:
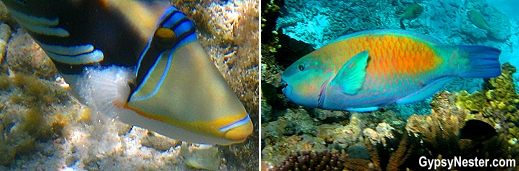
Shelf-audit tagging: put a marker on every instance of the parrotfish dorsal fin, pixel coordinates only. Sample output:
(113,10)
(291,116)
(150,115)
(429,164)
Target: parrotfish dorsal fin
(351,76)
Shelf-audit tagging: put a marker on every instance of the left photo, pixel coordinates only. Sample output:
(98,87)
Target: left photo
(129,85)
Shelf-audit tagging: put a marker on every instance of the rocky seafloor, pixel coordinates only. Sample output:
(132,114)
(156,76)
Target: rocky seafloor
(44,128)
(392,138)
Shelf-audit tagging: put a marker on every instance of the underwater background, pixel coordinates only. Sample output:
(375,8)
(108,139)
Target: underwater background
(44,128)
(394,137)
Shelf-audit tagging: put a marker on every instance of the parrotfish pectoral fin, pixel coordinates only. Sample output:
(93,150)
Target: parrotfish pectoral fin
(362,109)
(351,76)
(427,91)
(483,61)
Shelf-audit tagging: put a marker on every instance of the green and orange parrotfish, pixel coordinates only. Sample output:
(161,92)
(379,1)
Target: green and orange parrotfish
(371,69)
(139,61)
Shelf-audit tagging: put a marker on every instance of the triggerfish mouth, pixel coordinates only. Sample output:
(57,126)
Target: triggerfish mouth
(139,60)
(371,69)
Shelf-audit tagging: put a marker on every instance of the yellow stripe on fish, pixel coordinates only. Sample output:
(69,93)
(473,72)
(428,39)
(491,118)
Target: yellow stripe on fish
(140,60)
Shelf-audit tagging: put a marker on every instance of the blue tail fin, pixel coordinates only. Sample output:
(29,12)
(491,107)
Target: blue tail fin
(484,61)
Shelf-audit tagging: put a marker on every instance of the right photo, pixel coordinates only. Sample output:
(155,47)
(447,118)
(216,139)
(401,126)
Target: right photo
(389,85)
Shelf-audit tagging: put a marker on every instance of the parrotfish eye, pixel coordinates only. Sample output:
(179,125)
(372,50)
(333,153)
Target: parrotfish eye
(165,36)
(301,67)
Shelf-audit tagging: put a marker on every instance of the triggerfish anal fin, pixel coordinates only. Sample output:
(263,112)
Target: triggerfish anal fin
(197,105)
(352,74)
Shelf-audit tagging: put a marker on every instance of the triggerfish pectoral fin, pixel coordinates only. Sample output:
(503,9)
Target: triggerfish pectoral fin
(180,93)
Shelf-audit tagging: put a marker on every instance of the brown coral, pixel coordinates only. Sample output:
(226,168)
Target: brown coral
(313,161)
(496,104)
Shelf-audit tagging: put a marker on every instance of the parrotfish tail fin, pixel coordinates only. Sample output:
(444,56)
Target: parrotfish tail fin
(483,61)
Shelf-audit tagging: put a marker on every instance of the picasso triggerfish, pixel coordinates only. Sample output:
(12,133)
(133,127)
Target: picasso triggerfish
(370,69)
(139,60)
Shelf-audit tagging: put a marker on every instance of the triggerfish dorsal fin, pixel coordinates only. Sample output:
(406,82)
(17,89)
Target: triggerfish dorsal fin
(352,74)
(197,105)
(81,33)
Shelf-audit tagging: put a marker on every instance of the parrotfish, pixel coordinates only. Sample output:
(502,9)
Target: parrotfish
(477,19)
(139,60)
(411,12)
(371,69)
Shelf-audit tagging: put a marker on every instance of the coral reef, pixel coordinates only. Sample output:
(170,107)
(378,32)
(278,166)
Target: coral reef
(201,156)
(380,157)
(25,56)
(301,130)
(318,22)
(5,35)
(496,104)
(28,116)
(44,128)
(326,160)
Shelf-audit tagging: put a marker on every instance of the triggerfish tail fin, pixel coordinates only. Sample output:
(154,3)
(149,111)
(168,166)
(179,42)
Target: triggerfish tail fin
(483,61)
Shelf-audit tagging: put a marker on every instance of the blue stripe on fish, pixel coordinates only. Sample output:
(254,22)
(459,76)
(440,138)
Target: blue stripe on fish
(163,76)
(65,28)
(40,25)
(183,29)
(69,51)
(243,121)
(73,55)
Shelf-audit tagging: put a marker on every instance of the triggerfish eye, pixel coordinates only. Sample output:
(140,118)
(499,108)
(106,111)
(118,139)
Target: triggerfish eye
(165,36)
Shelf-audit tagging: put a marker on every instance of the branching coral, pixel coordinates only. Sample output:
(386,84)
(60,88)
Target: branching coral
(440,132)
(390,157)
(496,104)
(326,160)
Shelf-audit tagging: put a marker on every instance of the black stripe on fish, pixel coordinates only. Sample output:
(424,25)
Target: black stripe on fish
(89,22)
(154,49)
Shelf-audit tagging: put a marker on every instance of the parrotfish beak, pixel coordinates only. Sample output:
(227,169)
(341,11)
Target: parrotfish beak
(287,90)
